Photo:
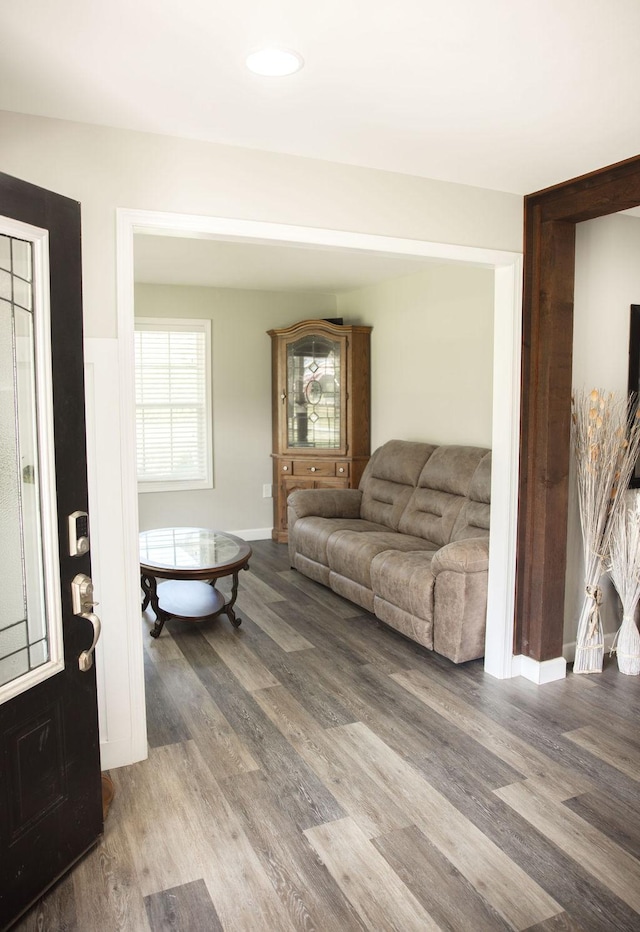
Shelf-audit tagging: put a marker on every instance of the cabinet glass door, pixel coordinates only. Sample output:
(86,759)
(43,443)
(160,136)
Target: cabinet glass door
(313,393)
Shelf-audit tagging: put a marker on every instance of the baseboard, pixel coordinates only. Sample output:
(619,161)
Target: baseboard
(539,671)
(546,671)
(119,753)
(256,533)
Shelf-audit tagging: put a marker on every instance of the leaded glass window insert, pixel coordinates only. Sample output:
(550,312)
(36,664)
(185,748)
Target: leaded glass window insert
(314,393)
(24,643)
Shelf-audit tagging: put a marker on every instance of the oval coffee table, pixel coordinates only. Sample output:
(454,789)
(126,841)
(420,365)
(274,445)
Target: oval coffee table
(191,559)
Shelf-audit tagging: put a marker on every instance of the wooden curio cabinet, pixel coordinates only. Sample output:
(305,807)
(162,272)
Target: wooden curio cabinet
(321,410)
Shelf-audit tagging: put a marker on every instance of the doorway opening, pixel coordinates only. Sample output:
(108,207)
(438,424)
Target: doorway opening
(507,271)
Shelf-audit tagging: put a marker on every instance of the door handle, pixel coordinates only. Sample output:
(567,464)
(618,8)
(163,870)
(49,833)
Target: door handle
(82,602)
(85,660)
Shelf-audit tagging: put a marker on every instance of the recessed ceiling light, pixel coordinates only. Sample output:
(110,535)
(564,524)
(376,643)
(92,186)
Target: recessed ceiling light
(274,63)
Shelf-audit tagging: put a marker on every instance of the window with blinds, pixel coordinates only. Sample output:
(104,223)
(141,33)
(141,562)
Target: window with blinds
(173,404)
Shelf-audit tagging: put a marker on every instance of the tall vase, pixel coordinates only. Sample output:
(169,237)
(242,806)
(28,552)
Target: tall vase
(590,638)
(627,646)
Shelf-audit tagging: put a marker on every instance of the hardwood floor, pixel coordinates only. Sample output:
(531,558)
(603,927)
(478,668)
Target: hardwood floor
(314,770)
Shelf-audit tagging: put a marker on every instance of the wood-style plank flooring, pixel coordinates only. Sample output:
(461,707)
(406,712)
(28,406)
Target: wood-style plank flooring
(314,770)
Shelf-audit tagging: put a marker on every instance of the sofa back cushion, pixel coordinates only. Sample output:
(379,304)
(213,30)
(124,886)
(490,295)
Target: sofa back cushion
(390,478)
(473,520)
(433,510)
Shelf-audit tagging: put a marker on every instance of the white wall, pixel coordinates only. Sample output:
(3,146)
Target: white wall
(607,282)
(431,354)
(432,359)
(241,369)
(107,168)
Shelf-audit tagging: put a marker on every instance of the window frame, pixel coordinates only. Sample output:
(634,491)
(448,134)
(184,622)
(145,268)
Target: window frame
(185,325)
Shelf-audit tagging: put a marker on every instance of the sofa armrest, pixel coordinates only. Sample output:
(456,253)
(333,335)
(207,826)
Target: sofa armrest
(320,503)
(470,555)
(460,598)
(325,503)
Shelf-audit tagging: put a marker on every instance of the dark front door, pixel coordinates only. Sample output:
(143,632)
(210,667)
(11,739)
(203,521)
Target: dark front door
(50,787)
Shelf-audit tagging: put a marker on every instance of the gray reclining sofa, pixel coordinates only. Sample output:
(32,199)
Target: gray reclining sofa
(410,544)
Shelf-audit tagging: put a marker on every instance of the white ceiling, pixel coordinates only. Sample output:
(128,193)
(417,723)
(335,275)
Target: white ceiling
(505,94)
(167,260)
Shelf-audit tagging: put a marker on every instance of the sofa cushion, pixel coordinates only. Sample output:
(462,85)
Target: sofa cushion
(405,580)
(350,553)
(311,534)
(473,520)
(435,505)
(451,469)
(480,488)
(389,480)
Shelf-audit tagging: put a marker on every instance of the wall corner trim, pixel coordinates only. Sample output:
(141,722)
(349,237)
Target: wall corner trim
(540,671)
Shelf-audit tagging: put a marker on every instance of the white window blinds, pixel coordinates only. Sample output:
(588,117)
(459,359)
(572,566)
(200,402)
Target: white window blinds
(173,407)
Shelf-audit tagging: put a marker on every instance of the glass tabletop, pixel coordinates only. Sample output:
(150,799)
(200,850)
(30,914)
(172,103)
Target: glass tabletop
(189,548)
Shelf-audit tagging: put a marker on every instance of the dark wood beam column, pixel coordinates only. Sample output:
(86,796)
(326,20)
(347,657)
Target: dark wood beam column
(550,220)
(546,413)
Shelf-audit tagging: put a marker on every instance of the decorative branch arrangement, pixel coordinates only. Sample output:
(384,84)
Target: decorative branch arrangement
(624,569)
(606,440)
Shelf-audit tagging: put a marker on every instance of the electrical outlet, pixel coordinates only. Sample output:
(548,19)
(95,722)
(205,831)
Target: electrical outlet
(267,491)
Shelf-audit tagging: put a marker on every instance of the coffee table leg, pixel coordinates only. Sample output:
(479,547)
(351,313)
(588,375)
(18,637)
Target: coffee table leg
(145,585)
(228,609)
(150,589)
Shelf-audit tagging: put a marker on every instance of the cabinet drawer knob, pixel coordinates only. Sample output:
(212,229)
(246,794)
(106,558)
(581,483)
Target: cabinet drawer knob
(341,469)
(312,468)
(284,468)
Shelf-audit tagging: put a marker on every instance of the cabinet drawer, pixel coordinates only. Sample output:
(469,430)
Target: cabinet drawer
(342,470)
(314,468)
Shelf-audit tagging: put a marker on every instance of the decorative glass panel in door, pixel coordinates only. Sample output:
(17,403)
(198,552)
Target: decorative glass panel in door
(313,393)
(30,618)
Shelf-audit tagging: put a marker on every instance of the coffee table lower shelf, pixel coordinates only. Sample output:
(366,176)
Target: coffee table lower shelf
(188,600)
